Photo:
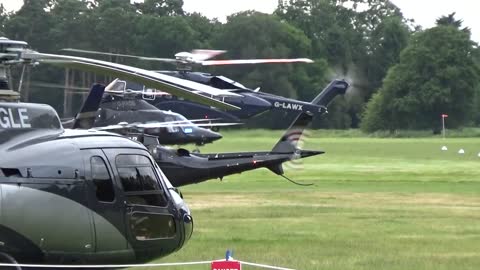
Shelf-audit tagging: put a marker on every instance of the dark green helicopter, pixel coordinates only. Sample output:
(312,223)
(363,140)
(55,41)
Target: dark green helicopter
(81,196)
(77,197)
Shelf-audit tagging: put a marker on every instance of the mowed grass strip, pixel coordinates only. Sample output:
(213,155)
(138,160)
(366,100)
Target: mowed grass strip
(376,204)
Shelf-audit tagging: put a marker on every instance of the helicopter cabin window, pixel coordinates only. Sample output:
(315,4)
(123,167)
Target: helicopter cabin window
(102,180)
(147,226)
(139,180)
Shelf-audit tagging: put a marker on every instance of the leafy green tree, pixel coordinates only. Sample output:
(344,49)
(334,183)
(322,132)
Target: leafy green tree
(113,23)
(31,23)
(361,37)
(436,74)
(476,58)
(204,29)
(165,36)
(386,42)
(327,23)
(3,19)
(70,24)
(450,20)
(161,7)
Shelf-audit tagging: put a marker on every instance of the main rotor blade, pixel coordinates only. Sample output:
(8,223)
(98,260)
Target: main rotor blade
(186,121)
(58,86)
(189,85)
(122,55)
(133,92)
(201,55)
(204,120)
(112,127)
(255,61)
(169,124)
(5,55)
(175,86)
(162,125)
(218,124)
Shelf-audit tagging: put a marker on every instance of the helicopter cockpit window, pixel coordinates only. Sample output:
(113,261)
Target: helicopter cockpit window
(171,128)
(139,181)
(134,86)
(102,180)
(119,86)
(185,122)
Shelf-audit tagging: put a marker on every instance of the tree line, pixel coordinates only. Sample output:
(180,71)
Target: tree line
(401,76)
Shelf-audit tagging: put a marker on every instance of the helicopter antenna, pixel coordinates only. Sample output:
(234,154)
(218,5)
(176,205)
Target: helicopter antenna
(296,183)
(21,79)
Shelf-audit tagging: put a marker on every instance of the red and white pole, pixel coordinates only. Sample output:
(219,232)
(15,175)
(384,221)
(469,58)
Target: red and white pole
(443,124)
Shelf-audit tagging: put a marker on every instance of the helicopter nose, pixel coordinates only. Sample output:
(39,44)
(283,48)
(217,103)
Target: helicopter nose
(188,225)
(211,136)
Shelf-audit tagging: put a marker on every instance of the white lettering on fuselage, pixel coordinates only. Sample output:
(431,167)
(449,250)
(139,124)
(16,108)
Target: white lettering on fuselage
(288,106)
(125,103)
(14,118)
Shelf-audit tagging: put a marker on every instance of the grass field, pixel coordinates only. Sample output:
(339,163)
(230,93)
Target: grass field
(376,204)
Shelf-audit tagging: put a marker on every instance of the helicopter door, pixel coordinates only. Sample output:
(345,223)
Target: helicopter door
(107,208)
(149,221)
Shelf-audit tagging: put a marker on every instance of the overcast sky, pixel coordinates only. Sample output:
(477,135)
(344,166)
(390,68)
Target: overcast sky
(424,12)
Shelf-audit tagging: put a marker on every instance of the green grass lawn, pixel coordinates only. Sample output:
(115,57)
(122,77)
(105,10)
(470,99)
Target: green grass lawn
(376,204)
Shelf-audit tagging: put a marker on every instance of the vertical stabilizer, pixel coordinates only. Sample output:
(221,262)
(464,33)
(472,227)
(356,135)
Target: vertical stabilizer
(86,117)
(288,142)
(334,88)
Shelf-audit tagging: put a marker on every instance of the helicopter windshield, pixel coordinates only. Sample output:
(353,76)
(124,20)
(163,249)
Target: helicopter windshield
(28,116)
(134,86)
(171,127)
(172,190)
(121,86)
(185,124)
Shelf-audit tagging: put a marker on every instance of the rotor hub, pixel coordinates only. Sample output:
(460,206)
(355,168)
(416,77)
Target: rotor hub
(9,95)
(184,61)
(11,49)
(185,57)
(10,54)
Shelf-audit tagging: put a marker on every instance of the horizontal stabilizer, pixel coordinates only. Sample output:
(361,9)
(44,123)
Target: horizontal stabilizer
(278,169)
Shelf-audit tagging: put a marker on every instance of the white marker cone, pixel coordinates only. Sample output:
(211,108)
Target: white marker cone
(461,151)
(444,148)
